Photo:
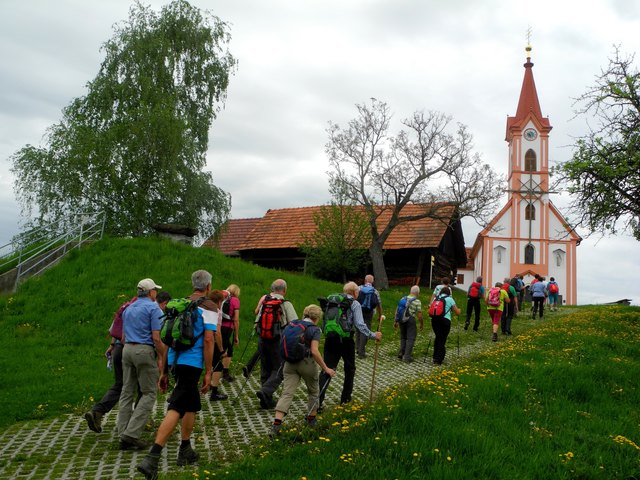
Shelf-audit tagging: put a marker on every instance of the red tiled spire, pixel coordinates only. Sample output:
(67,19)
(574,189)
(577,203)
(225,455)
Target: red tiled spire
(528,104)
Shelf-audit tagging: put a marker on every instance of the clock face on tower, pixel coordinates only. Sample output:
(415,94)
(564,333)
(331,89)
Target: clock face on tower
(530,134)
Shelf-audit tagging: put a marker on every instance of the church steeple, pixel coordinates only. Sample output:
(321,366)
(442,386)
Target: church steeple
(528,104)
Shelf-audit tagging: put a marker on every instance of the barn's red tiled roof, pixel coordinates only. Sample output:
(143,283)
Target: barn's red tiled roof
(233,234)
(285,228)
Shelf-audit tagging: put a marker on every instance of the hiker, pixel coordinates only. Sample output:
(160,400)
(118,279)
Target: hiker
(508,311)
(184,402)
(338,347)
(553,291)
(474,294)
(436,291)
(230,327)
(521,291)
(219,351)
(516,302)
(142,364)
(304,369)
(539,295)
(275,313)
(441,325)
(114,352)
(496,299)
(408,311)
(369,299)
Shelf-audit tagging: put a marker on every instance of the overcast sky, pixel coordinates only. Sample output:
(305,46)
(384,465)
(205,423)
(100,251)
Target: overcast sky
(305,63)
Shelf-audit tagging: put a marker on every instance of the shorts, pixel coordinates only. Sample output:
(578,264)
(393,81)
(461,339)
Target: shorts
(185,397)
(496,315)
(227,340)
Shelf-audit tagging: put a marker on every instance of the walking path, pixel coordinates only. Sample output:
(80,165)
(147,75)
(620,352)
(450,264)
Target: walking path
(64,448)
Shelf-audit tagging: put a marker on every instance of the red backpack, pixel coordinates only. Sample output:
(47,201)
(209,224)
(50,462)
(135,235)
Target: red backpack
(115,330)
(474,290)
(493,299)
(268,325)
(553,288)
(438,307)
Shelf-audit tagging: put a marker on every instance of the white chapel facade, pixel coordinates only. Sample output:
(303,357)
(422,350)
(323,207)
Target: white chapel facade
(529,235)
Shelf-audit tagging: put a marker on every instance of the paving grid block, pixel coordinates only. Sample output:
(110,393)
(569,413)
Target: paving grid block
(73,452)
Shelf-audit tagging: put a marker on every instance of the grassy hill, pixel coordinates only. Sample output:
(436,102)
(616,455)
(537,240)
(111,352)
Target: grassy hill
(54,329)
(559,400)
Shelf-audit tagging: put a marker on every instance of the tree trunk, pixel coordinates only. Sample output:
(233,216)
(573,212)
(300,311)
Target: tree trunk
(377,261)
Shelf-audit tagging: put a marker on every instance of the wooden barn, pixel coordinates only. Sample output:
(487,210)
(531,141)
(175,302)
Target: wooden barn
(411,249)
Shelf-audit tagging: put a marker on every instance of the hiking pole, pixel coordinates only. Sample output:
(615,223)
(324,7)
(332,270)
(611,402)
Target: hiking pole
(458,317)
(375,360)
(253,333)
(324,387)
(428,346)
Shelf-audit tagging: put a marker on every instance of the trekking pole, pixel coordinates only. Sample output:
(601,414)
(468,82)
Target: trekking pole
(428,346)
(253,332)
(375,360)
(324,387)
(458,316)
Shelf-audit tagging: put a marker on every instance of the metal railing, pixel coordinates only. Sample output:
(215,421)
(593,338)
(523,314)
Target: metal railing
(32,252)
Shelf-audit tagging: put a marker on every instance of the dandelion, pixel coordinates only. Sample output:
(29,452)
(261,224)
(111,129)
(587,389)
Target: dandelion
(416,454)
(437,450)
(449,459)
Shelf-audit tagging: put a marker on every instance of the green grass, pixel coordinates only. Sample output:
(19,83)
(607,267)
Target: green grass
(54,329)
(560,401)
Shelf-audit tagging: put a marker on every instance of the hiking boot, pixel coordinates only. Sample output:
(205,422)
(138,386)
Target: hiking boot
(275,429)
(94,421)
(246,372)
(407,359)
(466,325)
(149,466)
(266,401)
(216,397)
(494,337)
(312,421)
(228,378)
(187,456)
(130,443)
(362,356)
(400,355)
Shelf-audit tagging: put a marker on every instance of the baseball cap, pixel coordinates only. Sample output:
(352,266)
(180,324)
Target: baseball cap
(147,285)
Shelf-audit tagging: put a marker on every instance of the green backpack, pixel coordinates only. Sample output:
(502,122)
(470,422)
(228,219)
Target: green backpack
(337,315)
(178,327)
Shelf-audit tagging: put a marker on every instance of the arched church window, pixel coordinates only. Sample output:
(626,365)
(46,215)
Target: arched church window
(528,254)
(530,212)
(500,252)
(530,161)
(559,257)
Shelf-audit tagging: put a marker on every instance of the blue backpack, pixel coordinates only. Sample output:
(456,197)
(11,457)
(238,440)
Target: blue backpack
(368,298)
(293,346)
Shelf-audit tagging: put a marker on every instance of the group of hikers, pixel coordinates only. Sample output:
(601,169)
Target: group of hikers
(153,336)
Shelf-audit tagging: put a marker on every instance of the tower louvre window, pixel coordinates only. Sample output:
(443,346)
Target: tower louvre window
(528,254)
(530,161)
(530,212)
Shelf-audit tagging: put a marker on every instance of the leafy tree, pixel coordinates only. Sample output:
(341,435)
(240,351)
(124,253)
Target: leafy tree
(604,172)
(135,145)
(423,164)
(338,248)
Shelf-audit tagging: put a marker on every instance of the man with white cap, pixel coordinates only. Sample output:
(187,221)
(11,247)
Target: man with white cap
(142,364)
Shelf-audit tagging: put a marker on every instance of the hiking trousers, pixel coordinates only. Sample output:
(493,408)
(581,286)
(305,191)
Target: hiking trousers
(140,370)
(112,396)
(441,327)
(538,302)
(307,370)
(408,334)
(473,304)
(271,365)
(361,340)
(336,348)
